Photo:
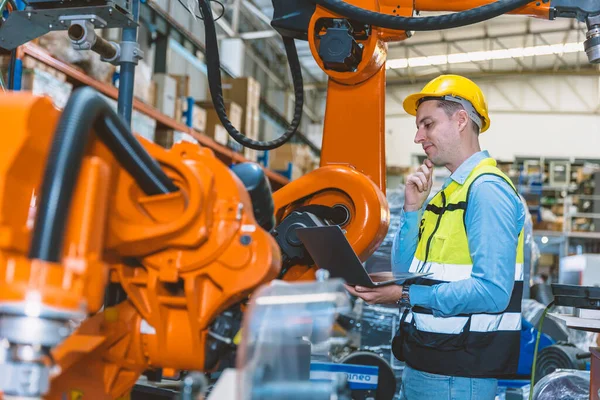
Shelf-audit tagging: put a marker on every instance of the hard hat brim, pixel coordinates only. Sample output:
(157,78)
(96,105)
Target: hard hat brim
(411,103)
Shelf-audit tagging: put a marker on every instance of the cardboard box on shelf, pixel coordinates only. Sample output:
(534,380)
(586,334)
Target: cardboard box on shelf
(199,118)
(43,83)
(280,157)
(299,155)
(143,125)
(183,84)
(214,129)
(183,137)
(219,134)
(244,91)
(152,94)
(166,94)
(32,63)
(251,154)
(144,88)
(164,137)
(180,102)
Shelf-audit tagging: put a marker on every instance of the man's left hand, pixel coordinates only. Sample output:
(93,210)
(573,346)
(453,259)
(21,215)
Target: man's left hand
(388,294)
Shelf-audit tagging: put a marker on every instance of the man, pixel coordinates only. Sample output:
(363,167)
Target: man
(461,328)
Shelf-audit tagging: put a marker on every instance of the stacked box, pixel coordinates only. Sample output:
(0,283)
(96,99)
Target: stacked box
(45,84)
(182,92)
(166,94)
(214,129)
(299,155)
(183,84)
(164,137)
(245,91)
(199,118)
(183,137)
(144,87)
(143,125)
(31,63)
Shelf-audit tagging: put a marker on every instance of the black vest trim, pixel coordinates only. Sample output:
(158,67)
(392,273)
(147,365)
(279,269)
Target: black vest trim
(449,207)
(470,354)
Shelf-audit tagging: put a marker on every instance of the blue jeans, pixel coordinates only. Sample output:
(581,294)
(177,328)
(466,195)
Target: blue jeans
(419,385)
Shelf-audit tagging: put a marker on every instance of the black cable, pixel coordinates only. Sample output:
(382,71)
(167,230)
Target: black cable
(433,23)
(201,17)
(11,69)
(84,110)
(213,65)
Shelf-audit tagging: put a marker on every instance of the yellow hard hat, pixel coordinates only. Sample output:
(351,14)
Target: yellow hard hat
(453,88)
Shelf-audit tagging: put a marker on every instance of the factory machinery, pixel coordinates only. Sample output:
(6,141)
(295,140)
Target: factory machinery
(118,256)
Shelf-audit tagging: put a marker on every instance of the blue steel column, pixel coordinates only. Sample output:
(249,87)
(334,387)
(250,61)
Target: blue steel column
(127,72)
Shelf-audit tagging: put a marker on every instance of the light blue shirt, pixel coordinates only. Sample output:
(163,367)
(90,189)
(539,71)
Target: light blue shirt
(494,218)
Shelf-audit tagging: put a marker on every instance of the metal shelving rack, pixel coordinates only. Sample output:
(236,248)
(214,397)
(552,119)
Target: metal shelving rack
(165,27)
(78,78)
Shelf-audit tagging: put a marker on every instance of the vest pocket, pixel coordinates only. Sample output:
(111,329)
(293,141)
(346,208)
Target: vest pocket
(436,340)
(437,245)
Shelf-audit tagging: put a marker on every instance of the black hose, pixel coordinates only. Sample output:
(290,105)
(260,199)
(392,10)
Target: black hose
(86,108)
(11,69)
(434,23)
(214,82)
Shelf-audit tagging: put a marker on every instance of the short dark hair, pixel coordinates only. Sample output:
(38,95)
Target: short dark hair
(451,107)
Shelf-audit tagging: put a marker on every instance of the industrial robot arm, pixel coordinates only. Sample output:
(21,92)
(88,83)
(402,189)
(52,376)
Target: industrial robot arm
(176,229)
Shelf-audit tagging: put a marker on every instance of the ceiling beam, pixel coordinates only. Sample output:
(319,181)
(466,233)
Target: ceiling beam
(511,74)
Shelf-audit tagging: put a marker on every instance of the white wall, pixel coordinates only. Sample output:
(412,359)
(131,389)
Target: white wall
(544,116)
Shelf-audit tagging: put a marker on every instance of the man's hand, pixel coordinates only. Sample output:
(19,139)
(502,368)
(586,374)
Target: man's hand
(418,186)
(388,294)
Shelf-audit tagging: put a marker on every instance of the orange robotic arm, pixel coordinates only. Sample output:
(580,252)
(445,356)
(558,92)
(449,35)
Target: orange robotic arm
(175,229)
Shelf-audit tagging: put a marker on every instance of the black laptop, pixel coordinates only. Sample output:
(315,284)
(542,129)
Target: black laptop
(330,250)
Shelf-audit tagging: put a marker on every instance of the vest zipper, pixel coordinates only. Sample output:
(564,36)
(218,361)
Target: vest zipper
(437,225)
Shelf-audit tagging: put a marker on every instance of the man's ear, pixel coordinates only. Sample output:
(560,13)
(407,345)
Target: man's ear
(462,118)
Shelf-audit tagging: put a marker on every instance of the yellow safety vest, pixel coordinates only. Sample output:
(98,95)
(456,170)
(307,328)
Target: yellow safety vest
(473,345)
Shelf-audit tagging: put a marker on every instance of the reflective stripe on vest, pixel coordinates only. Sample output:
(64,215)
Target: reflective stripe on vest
(454,345)
(452,272)
(455,325)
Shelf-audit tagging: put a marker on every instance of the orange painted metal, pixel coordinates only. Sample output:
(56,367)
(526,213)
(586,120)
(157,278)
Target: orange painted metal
(354,127)
(103,359)
(537,8)
(77,283)
(193,263)
(374,50)
(355,112)
(352,171)
(182,258)
(338,185)
(404,8)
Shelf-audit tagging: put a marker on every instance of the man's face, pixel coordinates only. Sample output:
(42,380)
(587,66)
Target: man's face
(437,133)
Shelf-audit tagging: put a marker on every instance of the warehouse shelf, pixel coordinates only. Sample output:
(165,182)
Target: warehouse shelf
(152,12)
(78,78)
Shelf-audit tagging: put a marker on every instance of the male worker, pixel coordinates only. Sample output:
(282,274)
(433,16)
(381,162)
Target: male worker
(461,328)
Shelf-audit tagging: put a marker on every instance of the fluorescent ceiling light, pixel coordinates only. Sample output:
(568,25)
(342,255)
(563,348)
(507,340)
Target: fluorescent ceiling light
(478,56)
